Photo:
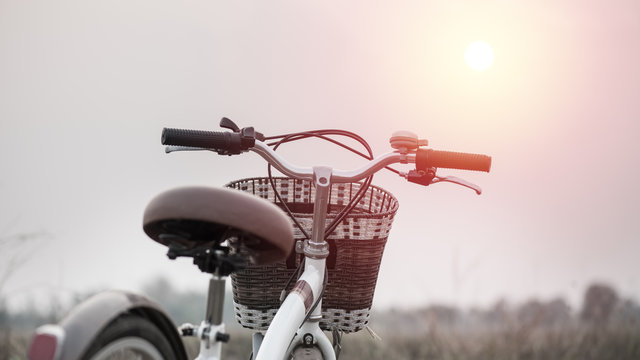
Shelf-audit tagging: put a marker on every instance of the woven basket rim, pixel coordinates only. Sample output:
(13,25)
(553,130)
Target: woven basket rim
(389,210)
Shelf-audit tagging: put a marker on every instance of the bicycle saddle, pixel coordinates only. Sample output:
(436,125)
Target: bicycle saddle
(194,216)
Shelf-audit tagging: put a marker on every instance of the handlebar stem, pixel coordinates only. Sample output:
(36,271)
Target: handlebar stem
(318,248)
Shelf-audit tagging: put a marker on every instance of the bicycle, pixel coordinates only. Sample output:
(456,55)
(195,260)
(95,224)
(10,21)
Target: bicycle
(228,232)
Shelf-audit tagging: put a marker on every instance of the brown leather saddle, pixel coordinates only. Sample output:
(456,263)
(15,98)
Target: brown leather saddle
(202,221)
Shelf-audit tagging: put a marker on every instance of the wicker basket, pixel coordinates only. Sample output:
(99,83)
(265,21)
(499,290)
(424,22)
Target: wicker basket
(356,248)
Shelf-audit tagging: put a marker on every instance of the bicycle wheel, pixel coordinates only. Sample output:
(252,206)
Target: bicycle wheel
(130,337)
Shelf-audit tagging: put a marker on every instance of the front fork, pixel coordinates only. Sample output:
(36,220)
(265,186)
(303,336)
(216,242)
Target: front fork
(310,334)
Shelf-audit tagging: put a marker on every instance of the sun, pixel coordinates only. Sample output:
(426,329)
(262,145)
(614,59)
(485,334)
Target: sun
(479,55)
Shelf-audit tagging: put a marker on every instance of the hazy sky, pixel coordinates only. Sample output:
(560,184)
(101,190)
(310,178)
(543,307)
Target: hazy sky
(87,86)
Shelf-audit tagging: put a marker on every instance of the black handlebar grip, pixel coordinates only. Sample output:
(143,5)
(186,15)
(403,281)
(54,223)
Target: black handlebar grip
(426,158)
(225,142)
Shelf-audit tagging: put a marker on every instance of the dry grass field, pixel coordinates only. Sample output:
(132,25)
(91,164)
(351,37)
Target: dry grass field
(605,328)
(567,344)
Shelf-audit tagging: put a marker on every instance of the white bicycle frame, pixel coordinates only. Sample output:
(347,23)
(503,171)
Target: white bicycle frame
(293,325)
(289,329)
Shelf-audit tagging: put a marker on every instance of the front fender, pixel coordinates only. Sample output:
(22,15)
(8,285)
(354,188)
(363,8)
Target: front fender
(76,331)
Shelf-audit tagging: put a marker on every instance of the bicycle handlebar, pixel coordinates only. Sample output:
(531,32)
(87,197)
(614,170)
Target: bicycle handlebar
(223,142)
(196,138)
(337,176)
(426,158)
(229,143)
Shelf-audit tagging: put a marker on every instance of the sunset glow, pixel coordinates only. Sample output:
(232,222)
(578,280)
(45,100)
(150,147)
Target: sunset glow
(479,56)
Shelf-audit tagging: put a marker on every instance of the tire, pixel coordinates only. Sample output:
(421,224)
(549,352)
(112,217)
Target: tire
(130,337)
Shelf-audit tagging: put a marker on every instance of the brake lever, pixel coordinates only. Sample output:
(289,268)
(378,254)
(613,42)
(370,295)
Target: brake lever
(174,148)
(457,180)
(429,177)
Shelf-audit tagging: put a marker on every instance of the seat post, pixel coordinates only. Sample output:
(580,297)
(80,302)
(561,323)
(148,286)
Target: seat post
(215,299)
(211,331)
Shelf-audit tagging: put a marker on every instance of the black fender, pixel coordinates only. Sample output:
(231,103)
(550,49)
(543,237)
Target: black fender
(90,317)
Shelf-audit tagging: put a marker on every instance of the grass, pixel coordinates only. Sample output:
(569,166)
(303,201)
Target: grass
(571,343)
(522,344)
(535,330)
(13,345)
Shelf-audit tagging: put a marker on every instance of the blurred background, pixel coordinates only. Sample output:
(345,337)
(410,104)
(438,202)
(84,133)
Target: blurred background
(87,86)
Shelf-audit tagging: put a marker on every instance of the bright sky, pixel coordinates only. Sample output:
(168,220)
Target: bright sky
(86,88)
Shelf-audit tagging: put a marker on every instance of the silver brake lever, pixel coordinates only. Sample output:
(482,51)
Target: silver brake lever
(456,180)
(174,148)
